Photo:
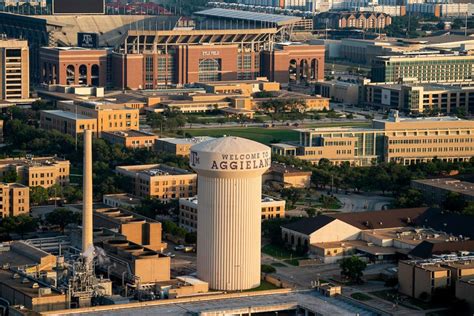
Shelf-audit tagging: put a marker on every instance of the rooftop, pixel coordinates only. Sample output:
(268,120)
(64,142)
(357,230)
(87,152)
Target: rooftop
(249,16)
(428,248)
(124,197)
(69,115)
(450,184)
(30,160)
(131,133)
(280,167)
(154,170)
(448,38)
(25,285)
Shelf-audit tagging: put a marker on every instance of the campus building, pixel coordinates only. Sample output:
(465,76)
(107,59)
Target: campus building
(178,146)
(287,176)
(14,70)
(423,68)
(37,171)
(74,66)
(179,57)
(75,116)
(357,20)
(423,277)
(436,190)
(160,181)
(188,211)
(131,139)
(400,140)
(15,199)
(421,97)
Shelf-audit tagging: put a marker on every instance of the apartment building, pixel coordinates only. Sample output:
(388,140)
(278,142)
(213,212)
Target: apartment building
(423,68)
(400,140)
(14,199)
(422,277)
(188,211)
(178,146)
(131,139)
(14,70)
(358,20)
(37,171)
(160,181)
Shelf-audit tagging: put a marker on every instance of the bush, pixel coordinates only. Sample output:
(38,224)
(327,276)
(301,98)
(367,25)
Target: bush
(266,268)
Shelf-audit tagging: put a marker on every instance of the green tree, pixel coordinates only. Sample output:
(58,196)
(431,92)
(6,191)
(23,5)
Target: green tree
(63,217)
(20,224)
(292,195)
(410,198)
(38,195)
(10,176)
(454,202)
(311,211)
(190,238)
(353,268)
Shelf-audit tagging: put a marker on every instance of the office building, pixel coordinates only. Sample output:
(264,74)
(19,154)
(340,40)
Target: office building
(229,232)
(15,199)
(131,139)
(66,122)
(121,200)
(14,70)
(188,211)
(37,171)
(159,181)
(423,68)
(178,146)
(417,98)
(401,140)
(435,190)
(74,66)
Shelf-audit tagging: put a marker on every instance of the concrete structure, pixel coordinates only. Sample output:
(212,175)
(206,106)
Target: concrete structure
(423,68)
(74,66)
(416,277)
(230,177)
(14,70)
(435,190)
(37,171)
(159,181)
(188,211)
(131,139)
(87,217)
(358,20)
(287,175)
(138,229)
(179,146)
(15,199)
(122,200)
(401,140)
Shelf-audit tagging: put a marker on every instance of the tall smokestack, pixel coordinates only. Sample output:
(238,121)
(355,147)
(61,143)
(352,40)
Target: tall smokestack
(87,227)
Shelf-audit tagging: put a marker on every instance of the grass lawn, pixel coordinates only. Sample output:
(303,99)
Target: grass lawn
(278,264)
(279,252)
(264,286)
(361,296)
(293,262)
(262,135)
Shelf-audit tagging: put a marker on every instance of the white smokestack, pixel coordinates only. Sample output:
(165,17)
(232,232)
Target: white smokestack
(87,241)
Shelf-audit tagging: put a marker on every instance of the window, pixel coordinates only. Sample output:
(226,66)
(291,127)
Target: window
(209,70)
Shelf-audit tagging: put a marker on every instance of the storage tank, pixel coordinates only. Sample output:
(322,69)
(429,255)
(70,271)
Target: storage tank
(229,211)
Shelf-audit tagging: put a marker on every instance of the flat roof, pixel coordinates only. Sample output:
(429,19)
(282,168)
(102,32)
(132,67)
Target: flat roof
(450,184)
(6,277)
(124,197)
(68,115)
(131,133)
(186,141)
(447,38)
(155,170)
(287,169)
(32,161)
(250,16)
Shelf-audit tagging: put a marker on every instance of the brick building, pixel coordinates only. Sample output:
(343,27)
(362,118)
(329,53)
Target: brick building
(15,199)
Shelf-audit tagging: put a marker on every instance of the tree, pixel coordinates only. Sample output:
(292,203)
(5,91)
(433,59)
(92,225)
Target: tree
(38,195)
(311,211)
(10,176)
(292,195)
(410,198)
(63,217)
(20,224)
(353,268)
(454,202)
(190,238)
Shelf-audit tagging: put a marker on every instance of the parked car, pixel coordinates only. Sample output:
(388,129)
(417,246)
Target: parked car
(179,247)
